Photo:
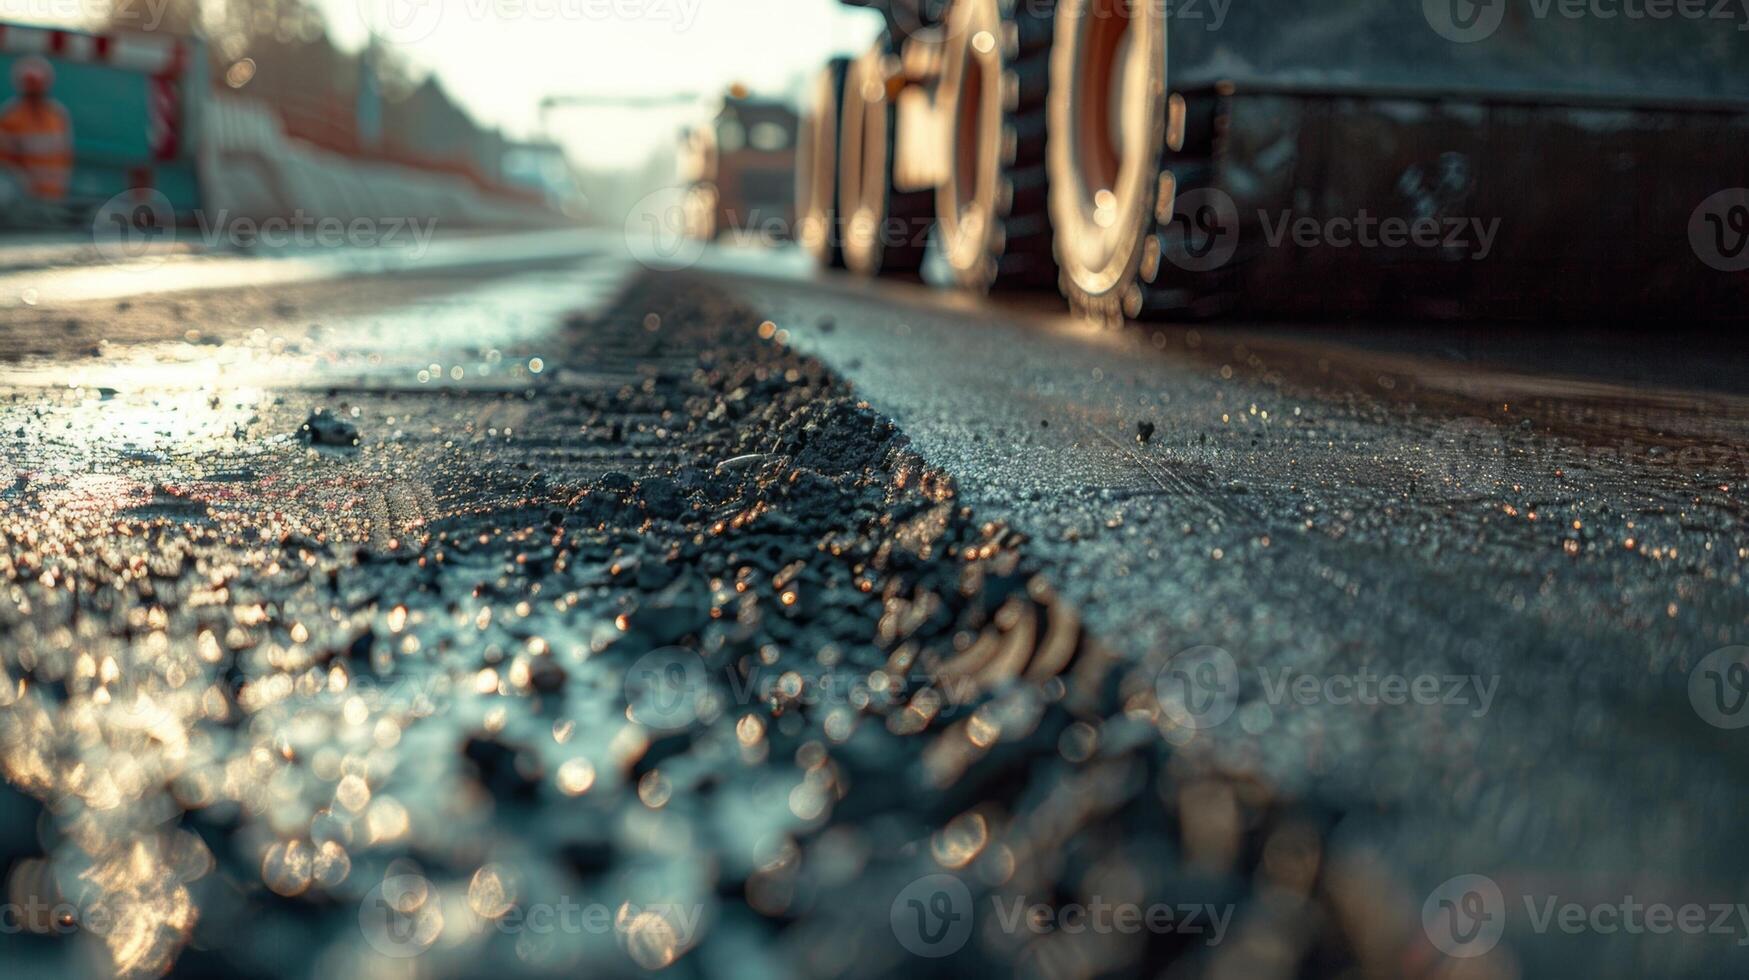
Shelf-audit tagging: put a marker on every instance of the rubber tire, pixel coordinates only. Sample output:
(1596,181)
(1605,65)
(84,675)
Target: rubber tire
(996,232)
(886,232)
(819,228)
(1115,259)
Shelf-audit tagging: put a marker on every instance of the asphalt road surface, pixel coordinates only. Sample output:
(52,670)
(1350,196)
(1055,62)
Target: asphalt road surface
(1544,526)
(1465,588)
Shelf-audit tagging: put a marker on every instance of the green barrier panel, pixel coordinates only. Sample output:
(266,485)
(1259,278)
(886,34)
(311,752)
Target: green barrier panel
(110,113)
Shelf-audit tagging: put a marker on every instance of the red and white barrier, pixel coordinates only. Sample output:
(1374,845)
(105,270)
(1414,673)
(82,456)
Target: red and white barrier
(150,54)
(163,58)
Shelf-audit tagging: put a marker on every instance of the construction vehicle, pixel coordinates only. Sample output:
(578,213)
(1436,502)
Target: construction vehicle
(739,169)
(1194,158)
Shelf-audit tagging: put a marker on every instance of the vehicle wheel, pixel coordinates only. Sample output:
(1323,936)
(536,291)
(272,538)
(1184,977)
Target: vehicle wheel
(885,231)
(993,208)
(1141,229)
(819,229)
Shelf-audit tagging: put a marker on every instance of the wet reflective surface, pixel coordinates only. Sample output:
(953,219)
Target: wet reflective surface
(1546,529)
(628,639)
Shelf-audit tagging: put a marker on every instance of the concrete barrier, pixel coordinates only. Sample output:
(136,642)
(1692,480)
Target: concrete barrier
(252,169)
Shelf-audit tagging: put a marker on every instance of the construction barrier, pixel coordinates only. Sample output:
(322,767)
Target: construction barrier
(134,101)
(146,117)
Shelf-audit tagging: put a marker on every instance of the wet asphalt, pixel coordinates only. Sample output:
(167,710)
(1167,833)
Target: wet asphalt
(1546,532)
(1464,587)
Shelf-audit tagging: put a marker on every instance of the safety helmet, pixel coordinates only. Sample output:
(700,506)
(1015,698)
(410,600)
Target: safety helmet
(33,76)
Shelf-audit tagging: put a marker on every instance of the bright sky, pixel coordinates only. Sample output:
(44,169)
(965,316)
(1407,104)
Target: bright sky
(500,57)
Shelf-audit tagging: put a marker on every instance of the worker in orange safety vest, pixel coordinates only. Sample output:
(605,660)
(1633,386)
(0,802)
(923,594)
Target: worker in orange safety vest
(36,135)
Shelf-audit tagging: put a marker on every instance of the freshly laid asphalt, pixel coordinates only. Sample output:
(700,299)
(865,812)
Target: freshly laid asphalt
(1542,526)
(1466,587)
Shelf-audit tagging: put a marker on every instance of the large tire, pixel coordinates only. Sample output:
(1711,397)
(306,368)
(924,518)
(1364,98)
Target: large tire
(993,209)
(1134,236)
(885,231)
(819,228)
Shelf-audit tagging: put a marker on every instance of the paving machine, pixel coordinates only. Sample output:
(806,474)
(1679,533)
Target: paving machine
(1194,158)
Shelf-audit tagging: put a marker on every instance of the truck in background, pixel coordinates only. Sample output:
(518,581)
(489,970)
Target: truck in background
(739,169)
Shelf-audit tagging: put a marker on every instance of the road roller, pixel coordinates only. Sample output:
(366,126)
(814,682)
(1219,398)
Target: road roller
(1318,158)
